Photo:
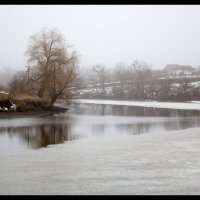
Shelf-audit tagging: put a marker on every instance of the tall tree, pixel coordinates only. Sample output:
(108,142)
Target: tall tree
(53,63)
(141,76)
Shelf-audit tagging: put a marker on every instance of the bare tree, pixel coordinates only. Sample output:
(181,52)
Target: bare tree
(101,75)
(142,75)
(183,90)
(165,89)
(53,65)
(18,84)
(121,73)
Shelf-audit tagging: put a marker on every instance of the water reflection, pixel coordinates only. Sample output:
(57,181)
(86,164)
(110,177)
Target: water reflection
(132,111)
(89,120)
(38,136)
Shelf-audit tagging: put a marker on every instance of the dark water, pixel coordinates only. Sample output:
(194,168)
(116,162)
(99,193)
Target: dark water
(84,121)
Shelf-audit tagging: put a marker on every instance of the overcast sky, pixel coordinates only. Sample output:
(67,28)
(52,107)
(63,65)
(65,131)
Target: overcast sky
(106,34)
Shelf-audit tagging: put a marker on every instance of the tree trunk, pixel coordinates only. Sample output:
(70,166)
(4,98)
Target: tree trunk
(53,100)
(43,87)
(41,92)
(103,87)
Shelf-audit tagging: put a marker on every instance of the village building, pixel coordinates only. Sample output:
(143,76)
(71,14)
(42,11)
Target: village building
(179,70)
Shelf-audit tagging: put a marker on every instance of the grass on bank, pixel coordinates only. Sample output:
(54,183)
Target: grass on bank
(25,102)
(30,103)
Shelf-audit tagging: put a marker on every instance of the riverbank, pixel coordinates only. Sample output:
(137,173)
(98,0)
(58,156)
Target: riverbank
(34,113)
(27,106)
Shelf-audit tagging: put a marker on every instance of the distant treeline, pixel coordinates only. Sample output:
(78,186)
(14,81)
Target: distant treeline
(137,82)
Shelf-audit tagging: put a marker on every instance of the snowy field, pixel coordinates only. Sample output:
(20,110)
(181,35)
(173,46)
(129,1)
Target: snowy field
(195,105)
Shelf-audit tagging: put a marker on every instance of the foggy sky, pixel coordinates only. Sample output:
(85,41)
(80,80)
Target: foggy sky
(106,34)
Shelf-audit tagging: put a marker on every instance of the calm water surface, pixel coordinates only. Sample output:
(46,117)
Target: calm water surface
(102,149)
(85,121)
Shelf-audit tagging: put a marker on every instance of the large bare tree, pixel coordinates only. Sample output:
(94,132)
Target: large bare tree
(53,63)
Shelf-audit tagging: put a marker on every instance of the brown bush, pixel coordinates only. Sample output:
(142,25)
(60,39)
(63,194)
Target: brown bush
(30,103)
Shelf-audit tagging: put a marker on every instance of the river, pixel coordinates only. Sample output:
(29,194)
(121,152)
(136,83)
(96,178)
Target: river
(102,149)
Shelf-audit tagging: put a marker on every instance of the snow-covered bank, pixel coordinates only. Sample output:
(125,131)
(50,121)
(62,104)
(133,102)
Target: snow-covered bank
(194,101)
(153,104)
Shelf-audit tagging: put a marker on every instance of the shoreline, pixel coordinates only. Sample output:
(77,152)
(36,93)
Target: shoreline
(150,104)
(32,113)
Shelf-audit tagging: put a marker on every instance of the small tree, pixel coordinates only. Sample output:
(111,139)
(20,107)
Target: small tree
(53,65)
(101,75)
(121,73)
(18,84)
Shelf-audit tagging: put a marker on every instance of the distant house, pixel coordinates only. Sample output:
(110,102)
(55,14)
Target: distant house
(177,70)
(170,67)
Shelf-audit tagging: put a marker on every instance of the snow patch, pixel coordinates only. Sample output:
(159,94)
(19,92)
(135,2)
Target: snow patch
(155,104)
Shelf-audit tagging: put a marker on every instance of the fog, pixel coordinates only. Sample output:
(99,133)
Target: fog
(106,34)
(7,74)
